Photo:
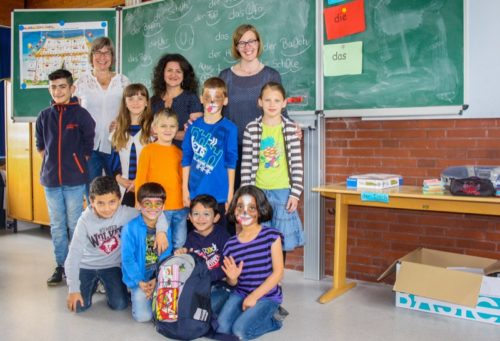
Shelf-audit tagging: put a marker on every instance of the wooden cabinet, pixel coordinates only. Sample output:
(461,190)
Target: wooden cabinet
(25,195)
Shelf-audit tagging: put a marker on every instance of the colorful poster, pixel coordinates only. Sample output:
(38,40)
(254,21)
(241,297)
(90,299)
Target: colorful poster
(346,19)
(48,47)
(343,59)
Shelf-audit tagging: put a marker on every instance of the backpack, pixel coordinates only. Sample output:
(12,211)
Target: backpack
(181,300)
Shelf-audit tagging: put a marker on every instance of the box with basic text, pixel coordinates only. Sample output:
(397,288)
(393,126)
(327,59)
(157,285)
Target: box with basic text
(448,284)
(374,181)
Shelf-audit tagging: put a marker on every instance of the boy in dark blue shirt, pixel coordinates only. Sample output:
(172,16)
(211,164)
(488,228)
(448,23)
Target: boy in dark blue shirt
(207,240)
(64,139)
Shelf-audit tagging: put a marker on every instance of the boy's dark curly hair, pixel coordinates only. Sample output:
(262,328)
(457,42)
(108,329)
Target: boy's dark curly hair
(189,82)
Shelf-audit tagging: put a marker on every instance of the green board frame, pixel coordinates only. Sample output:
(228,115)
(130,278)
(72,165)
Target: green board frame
(413,56)
(27,103)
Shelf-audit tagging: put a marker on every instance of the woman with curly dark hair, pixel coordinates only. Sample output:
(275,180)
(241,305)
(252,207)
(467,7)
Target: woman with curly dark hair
(175,87)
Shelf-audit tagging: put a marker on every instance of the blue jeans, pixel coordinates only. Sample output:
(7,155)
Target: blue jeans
(218,296)
(111,278)
(97,163)
(141,305)
(65,205)
(177,222)
(248,324)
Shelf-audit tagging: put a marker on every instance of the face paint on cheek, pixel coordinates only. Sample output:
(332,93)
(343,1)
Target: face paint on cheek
(244,218)
(212,106)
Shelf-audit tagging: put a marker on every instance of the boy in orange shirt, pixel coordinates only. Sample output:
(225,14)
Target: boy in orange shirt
(161,162)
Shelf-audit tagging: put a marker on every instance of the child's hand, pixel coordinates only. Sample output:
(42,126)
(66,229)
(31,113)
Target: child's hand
(185,198)
(298,131)
(73,299)
(194,116)
(112,126)
(181,251)
(150,288)
(248,302)
(292,204)
(232,270)
(161,242)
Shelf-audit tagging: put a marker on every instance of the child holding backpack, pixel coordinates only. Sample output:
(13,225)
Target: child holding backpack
(207,240)
(139,257)
(253,263)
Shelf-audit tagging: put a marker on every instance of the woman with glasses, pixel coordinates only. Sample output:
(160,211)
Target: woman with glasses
(245,80)
(100,92)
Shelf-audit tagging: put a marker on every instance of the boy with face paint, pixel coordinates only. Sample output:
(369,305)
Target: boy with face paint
(210,150)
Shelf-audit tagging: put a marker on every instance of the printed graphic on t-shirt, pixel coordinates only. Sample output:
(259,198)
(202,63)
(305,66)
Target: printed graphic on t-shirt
(207,153)
(211,254)
(270,155)
(107,239)
(151,255)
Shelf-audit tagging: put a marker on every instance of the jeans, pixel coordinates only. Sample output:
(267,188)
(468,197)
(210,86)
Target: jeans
(111,278)
(248,324)
(97,163)
(177,222)
(65,205)
(141,305)
(218,296)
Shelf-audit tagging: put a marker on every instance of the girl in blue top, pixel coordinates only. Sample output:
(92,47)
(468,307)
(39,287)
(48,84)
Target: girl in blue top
(175,87)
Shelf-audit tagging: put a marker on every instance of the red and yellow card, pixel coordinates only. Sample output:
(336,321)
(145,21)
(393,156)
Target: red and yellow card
(346,19)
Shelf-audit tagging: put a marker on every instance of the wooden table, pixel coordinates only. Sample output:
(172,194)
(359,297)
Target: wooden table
(403,197)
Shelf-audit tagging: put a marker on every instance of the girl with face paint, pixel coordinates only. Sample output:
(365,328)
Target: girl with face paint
(253,263)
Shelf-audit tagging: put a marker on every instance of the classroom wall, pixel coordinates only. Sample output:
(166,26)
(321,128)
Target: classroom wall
(7,7)
(416,150)
(74,3)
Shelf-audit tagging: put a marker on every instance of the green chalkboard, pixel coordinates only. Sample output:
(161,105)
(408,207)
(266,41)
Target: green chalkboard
(37,35)
(412,57)
(201,30)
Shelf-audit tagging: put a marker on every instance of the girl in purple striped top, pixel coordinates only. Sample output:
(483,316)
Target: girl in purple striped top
(253,264)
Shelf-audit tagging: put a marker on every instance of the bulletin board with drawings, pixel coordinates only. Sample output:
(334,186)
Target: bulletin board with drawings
(201,30)
(45,40)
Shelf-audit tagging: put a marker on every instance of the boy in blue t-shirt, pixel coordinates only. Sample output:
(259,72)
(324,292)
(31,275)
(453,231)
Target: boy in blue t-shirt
(139,257)
(208,240)
(210,150)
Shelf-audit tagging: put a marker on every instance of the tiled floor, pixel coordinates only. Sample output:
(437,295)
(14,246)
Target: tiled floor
(29,310)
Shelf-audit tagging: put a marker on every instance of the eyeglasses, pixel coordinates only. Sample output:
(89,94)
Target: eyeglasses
(152,204)
(241,44)
(102,53)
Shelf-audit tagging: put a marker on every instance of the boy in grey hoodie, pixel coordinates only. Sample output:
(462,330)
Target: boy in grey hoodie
(95,250)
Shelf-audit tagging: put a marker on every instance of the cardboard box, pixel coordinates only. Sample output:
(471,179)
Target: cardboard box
(374,180)
(448,284)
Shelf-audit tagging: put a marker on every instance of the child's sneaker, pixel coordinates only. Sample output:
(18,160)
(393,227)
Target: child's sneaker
(100,288)
(56,277)
(281,314)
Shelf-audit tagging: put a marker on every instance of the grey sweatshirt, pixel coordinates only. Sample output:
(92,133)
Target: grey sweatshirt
(96,243)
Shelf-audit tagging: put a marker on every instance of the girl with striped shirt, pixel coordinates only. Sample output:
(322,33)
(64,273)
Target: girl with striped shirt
(272,161)
(253,264)
(132,132)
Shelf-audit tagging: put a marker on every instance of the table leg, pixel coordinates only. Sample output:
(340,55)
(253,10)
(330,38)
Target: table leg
(340,285)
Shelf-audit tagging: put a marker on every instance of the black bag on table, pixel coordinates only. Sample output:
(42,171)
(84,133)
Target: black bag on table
(472,186)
